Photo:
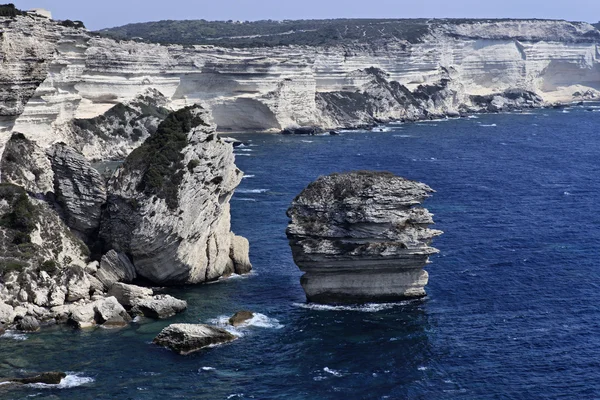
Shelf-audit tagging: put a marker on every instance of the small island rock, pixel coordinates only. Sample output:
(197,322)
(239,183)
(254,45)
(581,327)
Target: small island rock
(362,237)
(241,317)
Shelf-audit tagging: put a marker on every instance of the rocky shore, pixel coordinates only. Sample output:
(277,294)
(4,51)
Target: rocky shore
(362,237)
(73,242)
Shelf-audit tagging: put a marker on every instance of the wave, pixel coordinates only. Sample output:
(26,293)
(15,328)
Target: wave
(70,381)
(402,136)
(307,141)
(206,369)
(333,372)
(248,191)
(243,154)
(242,199)
(257,321)
(473,117)
(370,307)
(14,335)
(489,125)
(248,176)
(246,150)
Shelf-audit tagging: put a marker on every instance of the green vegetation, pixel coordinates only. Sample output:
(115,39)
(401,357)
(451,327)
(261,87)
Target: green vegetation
(326,32)
(9,10)
(23,214)
(49,266)
(11,266)
(192,164)
(125,117)
(160,157)
(72,24)
(272,33)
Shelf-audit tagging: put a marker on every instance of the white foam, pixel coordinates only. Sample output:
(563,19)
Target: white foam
(307,141)
(332,372)
(473,117)
(206,369)
(567,193)
(247,150)
(257,321)
(235,395)
(242,199)
(422,368)
(370,308)
(247,155)
(402,136)
(248,176)
(14,335)
(70,381)
(489,125)
(247,191)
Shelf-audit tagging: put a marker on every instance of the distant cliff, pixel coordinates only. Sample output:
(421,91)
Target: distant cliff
(52,73)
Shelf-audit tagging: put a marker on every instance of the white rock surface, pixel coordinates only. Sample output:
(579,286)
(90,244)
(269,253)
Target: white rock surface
(362,237)
(273,88)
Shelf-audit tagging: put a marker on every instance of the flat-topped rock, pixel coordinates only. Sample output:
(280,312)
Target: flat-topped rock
(362,237)
(188,338)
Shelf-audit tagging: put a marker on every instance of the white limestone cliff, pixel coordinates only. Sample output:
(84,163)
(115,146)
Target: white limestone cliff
(53,73)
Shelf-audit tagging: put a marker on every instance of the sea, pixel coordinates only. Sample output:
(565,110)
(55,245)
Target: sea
(513,305)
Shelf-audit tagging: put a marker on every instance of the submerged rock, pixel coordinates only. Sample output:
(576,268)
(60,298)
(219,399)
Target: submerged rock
(362,237)
(188,338)
(48,378)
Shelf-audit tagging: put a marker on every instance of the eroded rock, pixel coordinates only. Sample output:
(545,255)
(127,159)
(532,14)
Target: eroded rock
(362,237)
(188,338)
(130,295)
(161,306)
(241,317)
(115,267)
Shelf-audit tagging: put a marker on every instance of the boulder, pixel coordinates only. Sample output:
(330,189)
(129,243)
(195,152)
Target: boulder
(28,324)
(130,295)
(7,313)
(188,338)
(115,267)
(161,306)
(239,254)
(241,317)
(83,316)
(362,237)
(110,313)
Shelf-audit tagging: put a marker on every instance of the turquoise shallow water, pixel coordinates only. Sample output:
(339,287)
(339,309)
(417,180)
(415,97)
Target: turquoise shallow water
(512,310)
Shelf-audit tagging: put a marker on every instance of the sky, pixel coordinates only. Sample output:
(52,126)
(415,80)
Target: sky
(98,14)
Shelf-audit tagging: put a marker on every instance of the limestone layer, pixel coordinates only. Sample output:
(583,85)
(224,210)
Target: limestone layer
(52,74)
(362,237)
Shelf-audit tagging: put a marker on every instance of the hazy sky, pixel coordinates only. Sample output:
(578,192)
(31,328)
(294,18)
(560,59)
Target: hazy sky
(97,14)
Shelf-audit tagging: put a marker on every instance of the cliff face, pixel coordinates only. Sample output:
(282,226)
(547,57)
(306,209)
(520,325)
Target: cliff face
(169,203)
(58,73)
(362,237)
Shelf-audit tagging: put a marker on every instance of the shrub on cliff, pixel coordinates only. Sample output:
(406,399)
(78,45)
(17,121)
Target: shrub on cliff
(160,159)
(9,10)
(22,215)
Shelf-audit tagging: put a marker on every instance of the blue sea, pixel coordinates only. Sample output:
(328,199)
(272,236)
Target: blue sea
(513,306)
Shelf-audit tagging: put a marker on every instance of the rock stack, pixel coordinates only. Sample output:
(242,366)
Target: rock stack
(362,237)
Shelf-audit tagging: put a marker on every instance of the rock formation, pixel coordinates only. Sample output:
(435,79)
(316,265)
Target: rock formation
(168,206)
(362,237)
(188,338)
(52,74)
